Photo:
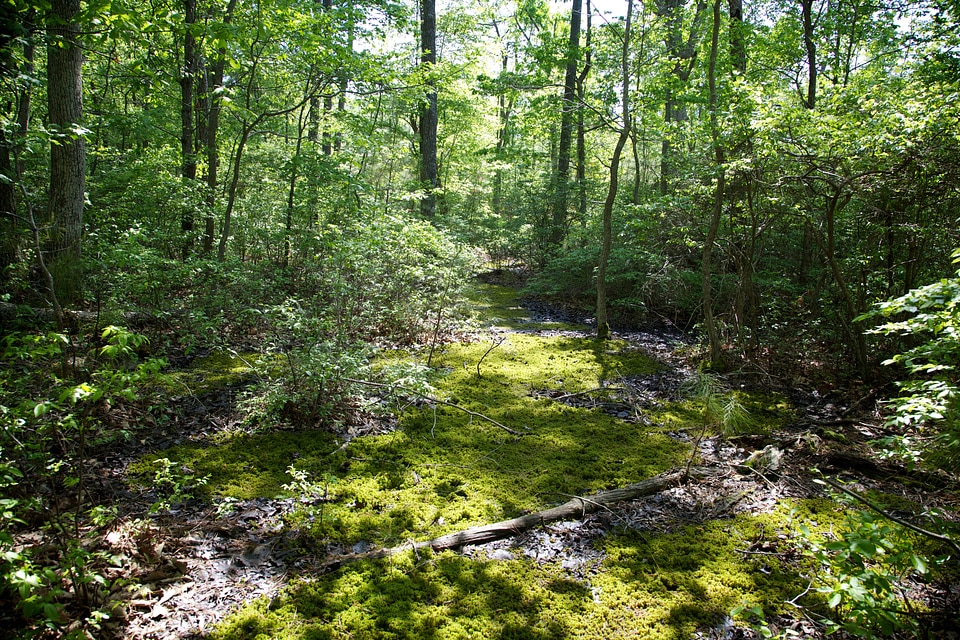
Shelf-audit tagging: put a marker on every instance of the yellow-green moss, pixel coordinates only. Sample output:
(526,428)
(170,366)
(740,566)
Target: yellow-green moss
(658,587)
(212,373)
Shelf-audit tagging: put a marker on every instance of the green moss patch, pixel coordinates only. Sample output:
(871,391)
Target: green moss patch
(443,469)
(660,587)
(496,305)
(212,373)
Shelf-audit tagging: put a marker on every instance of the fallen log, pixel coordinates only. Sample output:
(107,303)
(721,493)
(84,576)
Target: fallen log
(575,508)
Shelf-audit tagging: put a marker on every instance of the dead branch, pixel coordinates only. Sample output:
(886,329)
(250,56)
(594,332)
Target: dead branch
(413,392)
(575,508)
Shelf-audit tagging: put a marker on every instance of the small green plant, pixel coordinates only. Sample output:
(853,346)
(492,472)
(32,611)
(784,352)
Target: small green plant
(926,415)
(721,412)
(51,415)
(860,573)
(310,492)
(174,484)
(758,622)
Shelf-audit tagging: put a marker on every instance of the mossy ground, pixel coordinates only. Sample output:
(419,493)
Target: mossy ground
(443,470)
(650,586)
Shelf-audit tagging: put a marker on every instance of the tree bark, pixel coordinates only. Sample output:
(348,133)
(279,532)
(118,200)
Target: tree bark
(581,133)
(188,154)
(810,46)
(603,326)
(716,351)
(67,151)
(738,46)
(428,110)
(558,222)
(684,53)
(214,104)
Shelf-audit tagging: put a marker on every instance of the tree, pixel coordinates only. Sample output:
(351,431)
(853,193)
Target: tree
(716,354)
(682,52)
(603,326)
(188,152)
(67,150)
(568,107)
(428,109)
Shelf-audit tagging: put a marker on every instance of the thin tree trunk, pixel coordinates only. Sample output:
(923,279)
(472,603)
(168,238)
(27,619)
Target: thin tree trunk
(294,166)
(558,221)
(188,154)
(603,326)
(232,192)
(428,111)
(581,133)
(811,49)
(716,351)
(214,106)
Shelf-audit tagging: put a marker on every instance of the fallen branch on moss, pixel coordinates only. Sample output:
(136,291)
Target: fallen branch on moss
(413,392)
(575,508)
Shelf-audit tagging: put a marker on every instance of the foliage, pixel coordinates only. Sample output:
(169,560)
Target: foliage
(47,431)
(861,572)
(927,413)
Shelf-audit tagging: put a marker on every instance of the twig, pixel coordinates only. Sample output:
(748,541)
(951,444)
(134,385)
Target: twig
(380,385)
(588,391)
(436,328)
(930,534)
(496,344)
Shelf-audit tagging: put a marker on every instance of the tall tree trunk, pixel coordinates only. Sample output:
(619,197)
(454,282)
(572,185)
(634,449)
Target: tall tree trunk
(558,220)
(581,133)
(738,46)
(214,104)
(683,51)
(806,7)
(67,153)
(428,111)
(603,326)
(188,156)
(716,351)
(11,161)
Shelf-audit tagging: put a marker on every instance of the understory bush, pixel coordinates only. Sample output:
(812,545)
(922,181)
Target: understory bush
(58,402)
(926,416)
(862,570)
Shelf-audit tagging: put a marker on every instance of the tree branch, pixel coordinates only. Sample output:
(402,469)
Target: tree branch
(413,392)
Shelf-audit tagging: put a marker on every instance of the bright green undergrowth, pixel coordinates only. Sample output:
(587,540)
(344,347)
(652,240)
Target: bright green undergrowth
(444,470)
(499,306)
(661,587)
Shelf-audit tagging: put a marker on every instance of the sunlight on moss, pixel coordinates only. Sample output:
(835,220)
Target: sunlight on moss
(661,587)
(212,373)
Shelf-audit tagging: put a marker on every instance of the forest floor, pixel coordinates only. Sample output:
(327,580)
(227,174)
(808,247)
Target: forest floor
(255,561)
